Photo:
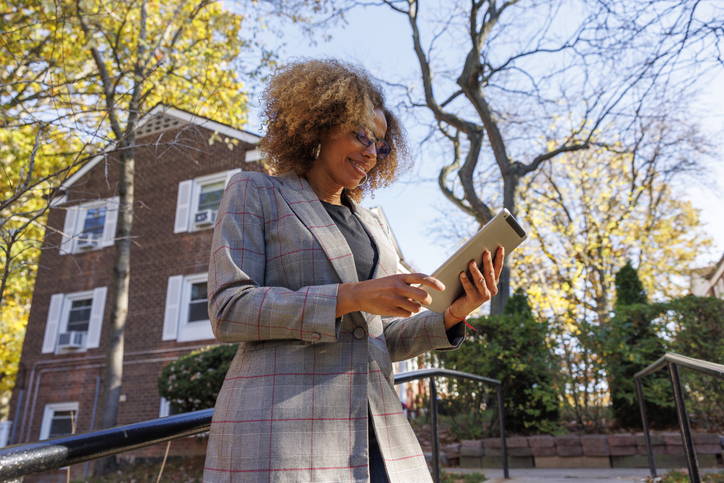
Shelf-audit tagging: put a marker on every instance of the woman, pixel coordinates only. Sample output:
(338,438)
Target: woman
(307,281)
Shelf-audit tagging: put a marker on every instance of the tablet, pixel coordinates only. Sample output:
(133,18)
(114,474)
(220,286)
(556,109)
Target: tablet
(503,230)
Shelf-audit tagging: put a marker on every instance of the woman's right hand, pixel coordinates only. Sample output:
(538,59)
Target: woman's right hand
(388,296)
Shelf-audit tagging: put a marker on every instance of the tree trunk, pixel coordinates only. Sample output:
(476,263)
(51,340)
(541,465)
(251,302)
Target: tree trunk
(119,305)
(510,192)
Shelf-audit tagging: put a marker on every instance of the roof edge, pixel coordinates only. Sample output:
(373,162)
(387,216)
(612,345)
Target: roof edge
(175,113)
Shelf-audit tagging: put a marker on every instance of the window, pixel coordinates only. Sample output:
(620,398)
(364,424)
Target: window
(198,305)
(59,420)
(90,226)
(198,201)
(74,321)
(210,196)
(186,318)
(79,315)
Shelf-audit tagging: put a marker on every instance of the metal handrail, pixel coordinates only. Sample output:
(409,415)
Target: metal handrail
(672,361)
(29,459)
(431,374)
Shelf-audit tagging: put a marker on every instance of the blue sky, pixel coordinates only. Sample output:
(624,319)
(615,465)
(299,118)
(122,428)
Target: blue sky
(380,40)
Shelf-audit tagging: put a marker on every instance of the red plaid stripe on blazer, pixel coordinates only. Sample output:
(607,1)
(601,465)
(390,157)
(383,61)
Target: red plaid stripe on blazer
(294,403)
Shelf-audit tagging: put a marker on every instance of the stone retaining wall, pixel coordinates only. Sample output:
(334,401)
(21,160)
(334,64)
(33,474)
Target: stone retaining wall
(590,451)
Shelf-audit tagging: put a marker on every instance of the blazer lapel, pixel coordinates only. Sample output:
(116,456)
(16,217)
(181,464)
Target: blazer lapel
(306,205)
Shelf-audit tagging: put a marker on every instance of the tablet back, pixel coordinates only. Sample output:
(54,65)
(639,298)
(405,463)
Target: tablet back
(503,230)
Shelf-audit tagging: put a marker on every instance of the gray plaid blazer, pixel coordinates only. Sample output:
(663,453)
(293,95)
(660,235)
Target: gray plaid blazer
(294,403)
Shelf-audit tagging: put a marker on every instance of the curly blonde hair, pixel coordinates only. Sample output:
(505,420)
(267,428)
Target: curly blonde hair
(304,99)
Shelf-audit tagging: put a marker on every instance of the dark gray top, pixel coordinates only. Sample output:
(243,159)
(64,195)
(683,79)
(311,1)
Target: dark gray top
(360,243)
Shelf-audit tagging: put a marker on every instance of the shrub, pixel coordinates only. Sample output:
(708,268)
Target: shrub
(699,323)
(193,381)
(689,326)
(628,343)
(513,349)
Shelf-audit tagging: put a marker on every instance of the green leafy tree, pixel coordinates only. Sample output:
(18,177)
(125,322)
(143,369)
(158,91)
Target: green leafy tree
(512,348)
(585,215)
(628,343)
(629,289)
(81,74)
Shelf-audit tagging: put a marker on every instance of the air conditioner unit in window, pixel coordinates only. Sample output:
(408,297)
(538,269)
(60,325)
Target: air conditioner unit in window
(71,340)
(205,218)
(87,241)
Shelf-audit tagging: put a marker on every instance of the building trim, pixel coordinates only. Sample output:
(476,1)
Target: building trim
(175,113)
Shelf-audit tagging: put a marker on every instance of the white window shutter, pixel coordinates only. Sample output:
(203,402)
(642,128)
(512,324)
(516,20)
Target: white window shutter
(183,206)
(93,340)
(231,173)
(71,217)
(109,228)
(173,307)
(51,326)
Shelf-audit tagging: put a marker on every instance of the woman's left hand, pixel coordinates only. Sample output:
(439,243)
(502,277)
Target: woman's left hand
(482,287)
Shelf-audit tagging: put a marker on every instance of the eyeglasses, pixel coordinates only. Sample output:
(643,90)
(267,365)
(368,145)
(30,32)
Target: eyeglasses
(383,149)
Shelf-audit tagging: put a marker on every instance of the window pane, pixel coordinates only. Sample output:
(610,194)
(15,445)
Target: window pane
(79,315)
(198,306)
(198,311)
(61,424)
(95,218)
(198,291)
(210,196)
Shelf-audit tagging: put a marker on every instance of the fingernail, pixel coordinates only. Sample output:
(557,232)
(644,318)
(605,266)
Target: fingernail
(463,275)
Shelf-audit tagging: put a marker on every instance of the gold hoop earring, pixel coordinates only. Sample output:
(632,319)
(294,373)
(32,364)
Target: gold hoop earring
(363,181)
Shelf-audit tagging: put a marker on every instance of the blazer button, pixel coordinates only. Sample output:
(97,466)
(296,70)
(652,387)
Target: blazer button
(359,333)
(316,336)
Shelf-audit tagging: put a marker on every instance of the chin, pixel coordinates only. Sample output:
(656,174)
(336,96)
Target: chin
(353,185)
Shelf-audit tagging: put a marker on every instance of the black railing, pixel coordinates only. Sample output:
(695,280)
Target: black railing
(30,459)
(672,361)
(431,374)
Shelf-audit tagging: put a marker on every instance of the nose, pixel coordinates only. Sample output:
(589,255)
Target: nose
(370,151)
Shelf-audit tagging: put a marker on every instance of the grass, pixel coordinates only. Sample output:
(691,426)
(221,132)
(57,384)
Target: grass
(447,477)
(677,476)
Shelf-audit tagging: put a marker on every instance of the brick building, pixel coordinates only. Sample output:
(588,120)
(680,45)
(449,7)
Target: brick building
(183,163)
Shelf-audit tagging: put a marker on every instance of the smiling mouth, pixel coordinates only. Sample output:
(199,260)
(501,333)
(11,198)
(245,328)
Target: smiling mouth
(359,166)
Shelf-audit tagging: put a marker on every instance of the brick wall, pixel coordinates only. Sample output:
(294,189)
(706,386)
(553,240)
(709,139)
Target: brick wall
(590,451)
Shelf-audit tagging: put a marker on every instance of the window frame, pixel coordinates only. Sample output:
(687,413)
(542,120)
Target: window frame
(197,330)
(49,413)
(59,313)
(187,202)
(178,297)
(196,193)
(68,300)
(76,216)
